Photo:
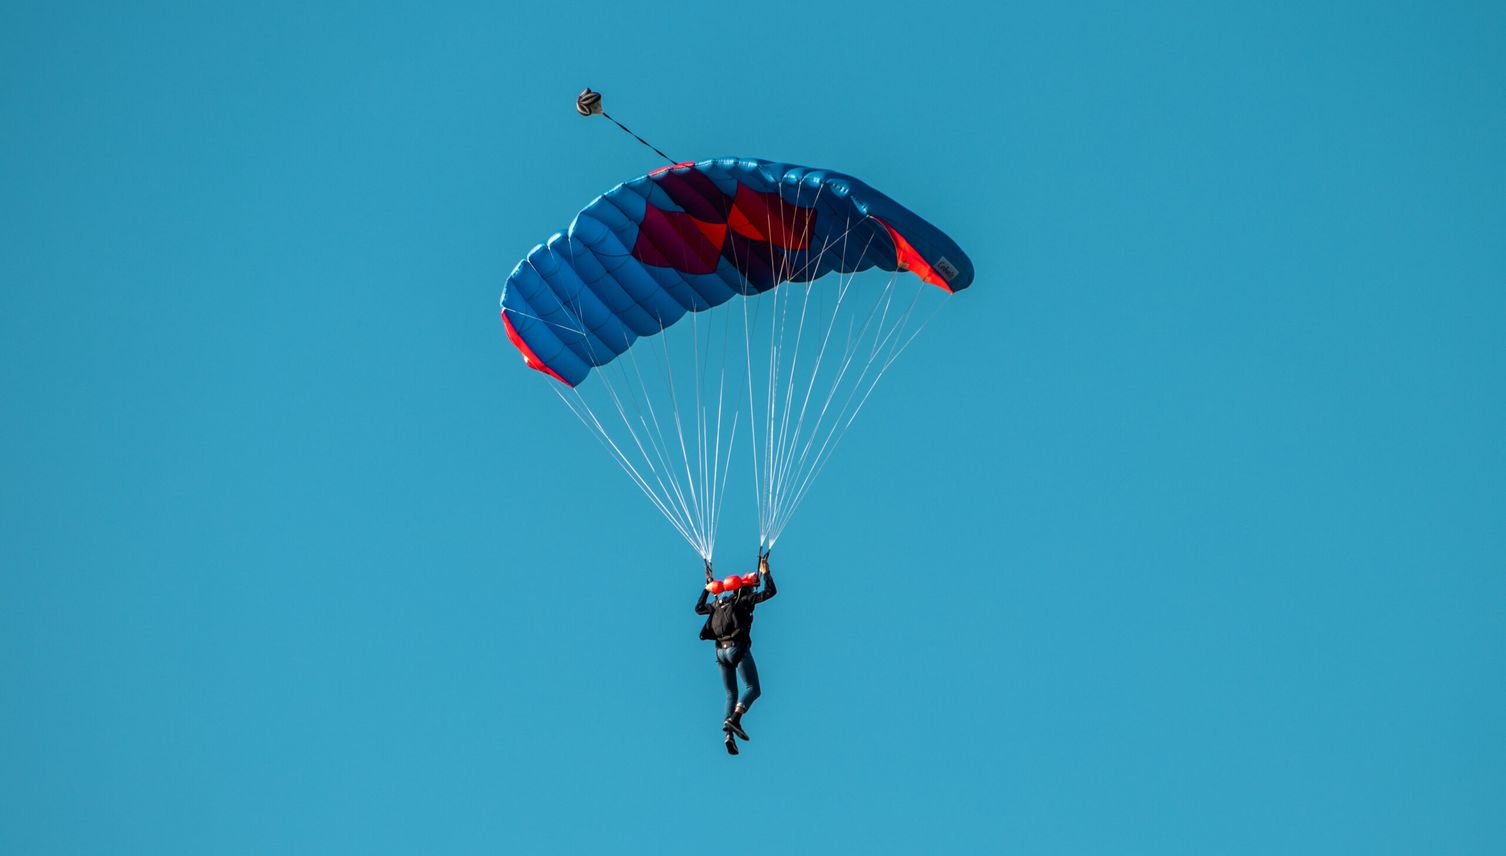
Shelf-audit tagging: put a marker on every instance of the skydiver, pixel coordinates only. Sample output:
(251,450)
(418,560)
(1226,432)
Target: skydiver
(729,620)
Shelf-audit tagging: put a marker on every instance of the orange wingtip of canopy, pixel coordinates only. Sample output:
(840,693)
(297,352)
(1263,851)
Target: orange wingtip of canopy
(530,359)
(909,258)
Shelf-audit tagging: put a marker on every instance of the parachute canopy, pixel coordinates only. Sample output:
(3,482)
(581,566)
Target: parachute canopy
(807,338)
(688,237)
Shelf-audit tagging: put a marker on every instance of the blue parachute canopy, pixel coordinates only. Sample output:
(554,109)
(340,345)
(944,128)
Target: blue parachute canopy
(688,237)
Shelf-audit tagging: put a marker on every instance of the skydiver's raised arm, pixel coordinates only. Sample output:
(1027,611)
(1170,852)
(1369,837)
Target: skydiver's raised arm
(700,605)
(769,589)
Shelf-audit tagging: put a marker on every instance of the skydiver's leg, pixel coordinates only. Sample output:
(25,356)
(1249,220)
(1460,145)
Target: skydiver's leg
(725,662)
(749,671)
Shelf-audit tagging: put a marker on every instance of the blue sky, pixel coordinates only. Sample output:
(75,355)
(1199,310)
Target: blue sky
(1180,532)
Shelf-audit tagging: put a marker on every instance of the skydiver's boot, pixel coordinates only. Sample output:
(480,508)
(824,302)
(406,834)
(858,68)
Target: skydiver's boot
(731,744)
(734,723)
